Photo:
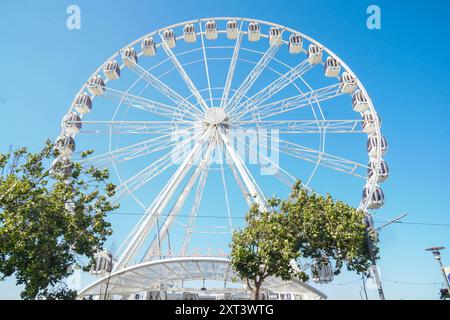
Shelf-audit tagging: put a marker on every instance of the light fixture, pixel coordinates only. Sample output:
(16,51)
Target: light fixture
(436,252)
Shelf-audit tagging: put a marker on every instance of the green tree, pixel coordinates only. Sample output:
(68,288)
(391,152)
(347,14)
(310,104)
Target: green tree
(50,219)
(265,248)
(304,226)
(444,294)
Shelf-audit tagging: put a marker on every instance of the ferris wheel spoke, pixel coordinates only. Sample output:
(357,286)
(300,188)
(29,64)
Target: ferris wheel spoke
(277,85)
(131,151)
(281,174)
(230,76)
(194,211)
(225,190)
(144,103)
(162,233)
(158,205)
(296,102)
(205,60)
(138,180)
(137,150)
(151,171)
(182,199)
(304,126)
(156,83)
(134,127)
(317,157)
(251,78)
(250,183)
(183,73)
(248,198)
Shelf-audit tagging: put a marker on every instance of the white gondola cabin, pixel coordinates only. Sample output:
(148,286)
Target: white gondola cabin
(372,144)
(189,34)
(65,145)
(130,57)
(103,263)
(332,67)
(295,43)
(376,201)
(369,122)
(112,70)
(348,83)
(322,271)
(83,103)
(169,38)
(254,32)
(96,86)
(148,46)
(232,30)
(71,123)
(383,172)
(211,32)
(360,102)
(315,54)
(275,36)
(368,221)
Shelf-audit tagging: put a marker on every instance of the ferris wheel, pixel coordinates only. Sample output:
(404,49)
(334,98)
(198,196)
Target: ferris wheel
(201,119)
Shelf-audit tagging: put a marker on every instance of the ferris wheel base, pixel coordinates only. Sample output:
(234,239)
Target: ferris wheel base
(190,278)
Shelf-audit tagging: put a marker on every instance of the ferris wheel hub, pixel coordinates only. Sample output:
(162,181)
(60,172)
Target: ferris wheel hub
(215,116)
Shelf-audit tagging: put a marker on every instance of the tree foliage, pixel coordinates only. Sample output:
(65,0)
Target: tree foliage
(265,248)
(444,294)
(49,221)
(304,226)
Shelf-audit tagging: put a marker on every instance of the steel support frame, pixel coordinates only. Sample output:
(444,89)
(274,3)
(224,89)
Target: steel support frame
(159,204)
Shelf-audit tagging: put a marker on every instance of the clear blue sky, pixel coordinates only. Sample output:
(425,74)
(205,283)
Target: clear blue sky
(405,66)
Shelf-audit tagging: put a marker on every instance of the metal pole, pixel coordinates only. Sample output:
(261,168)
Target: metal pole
(109,278)
(372,231)
(375,269)
(443,272)
(364,287)
(159,237)
(370,246)
(436,251)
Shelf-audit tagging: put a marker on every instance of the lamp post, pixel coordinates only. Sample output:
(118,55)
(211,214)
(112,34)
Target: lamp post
(436,251)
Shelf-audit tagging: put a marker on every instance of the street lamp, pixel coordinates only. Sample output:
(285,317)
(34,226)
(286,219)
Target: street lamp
(436,251)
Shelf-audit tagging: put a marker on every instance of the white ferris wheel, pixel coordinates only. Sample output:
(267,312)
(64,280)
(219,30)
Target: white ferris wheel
(200,119)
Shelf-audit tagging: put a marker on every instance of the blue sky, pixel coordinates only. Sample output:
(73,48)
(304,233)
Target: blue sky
(404,66)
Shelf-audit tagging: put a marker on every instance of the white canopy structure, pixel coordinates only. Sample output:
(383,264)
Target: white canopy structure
(208,277)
